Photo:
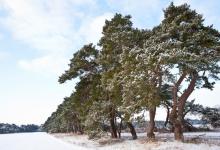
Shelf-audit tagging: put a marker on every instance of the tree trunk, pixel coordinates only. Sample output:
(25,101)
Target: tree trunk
(178,132)
(132,130)
(119,129)
(167,118)
(113,124)
(173,114)
(80,129)
(151,126)
(186,94)
(178,121)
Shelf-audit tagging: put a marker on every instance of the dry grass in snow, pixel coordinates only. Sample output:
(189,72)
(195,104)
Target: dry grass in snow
(194,141)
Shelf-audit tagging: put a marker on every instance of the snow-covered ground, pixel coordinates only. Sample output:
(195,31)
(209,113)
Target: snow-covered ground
(44,141)
(34,141)
(195,140)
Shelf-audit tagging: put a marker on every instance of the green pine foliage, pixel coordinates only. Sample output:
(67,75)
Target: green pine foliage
(135,70)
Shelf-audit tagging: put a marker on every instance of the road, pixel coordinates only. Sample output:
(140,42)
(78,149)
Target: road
(34,141)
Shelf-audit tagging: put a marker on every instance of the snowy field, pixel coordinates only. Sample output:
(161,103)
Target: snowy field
(44,141)
(195,140)
(34,141)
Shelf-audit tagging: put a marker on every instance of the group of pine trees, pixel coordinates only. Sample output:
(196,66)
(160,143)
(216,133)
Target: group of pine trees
(135,70)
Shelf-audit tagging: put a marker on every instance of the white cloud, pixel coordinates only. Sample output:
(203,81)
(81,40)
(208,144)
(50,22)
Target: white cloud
(91,30)
(145,13)
(44,65)
(46,29)
(52,28)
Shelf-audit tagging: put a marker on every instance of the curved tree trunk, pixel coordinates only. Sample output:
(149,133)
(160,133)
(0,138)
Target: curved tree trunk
(173,115)
(151,126)
(178,121)
(132,130)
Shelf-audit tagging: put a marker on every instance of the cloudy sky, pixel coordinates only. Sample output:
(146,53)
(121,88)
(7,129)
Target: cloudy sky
(38,37)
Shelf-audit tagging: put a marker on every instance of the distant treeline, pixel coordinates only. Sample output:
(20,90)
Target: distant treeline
(12,128)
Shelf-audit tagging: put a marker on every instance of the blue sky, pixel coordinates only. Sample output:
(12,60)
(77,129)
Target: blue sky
(38,37)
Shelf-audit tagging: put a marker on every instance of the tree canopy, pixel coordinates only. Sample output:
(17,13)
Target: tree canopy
(136,70)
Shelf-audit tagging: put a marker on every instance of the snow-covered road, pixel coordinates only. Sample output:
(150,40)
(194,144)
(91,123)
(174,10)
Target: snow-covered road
(34,141)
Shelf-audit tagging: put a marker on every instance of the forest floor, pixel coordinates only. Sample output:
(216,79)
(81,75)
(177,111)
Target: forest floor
(164,141)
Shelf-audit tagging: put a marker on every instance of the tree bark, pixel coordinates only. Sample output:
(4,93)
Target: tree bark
(178,117)
(173,114)
(178,131)
(168,114)
(119,129)
(186,94)
(151,126)
(132,130)
(80,129)
(113,124)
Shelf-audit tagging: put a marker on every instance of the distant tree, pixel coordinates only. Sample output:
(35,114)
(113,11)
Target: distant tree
(12,128)
(211,116)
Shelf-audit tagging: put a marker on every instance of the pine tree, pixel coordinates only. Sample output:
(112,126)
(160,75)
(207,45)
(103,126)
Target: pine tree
(193,50)
(115,37)
(83,65)
(137,70)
